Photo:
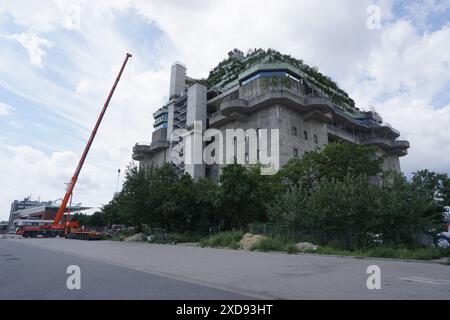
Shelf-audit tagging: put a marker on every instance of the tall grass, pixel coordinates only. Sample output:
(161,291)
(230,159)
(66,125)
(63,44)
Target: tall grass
(229,239)
(274,244)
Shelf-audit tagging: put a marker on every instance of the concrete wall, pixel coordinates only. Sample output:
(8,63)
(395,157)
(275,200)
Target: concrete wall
(159,135)
(288,141)
(156,160)
(177,80)
(196,105)
(196,112)
(282,118)
(170,107)
(391,162)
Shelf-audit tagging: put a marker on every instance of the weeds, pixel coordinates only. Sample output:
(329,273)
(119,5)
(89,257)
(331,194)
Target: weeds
(228,239)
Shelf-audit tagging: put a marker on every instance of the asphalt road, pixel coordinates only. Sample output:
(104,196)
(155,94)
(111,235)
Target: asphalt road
(27,272)
(35,269)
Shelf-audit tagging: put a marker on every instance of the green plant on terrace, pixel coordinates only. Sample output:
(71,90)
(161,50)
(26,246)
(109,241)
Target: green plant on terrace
(229,69)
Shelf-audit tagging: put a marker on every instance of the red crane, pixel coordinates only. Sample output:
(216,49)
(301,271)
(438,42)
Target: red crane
(71,229)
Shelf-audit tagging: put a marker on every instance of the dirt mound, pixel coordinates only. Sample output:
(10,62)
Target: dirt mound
(303,246)
(137,237)
(249,240)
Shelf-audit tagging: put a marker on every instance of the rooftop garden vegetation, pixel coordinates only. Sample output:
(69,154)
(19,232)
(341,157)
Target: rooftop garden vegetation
(229,69)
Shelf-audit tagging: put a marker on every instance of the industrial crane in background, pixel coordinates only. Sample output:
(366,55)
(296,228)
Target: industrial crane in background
(71,230)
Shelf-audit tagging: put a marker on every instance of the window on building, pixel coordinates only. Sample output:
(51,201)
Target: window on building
(295,152)
(247,158)
(294,131)
(305,134)
(316,139)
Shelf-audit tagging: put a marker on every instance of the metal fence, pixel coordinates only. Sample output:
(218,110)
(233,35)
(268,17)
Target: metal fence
(214,230)
(159,235)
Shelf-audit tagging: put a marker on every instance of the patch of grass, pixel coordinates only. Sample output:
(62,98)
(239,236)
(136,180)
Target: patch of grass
(291,249)
(186,237)
(330,250)
(268,244)
(228,239)
(174,238)
(275,244)
(388,252)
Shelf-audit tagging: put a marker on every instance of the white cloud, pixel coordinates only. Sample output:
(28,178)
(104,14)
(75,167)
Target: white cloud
(407,60)
(420,11)
(40,16)
(27,171)
(5,109)
(400,78)
(425,127)
(34,45)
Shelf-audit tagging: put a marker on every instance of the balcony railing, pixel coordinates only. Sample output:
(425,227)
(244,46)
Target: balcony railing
(381,142)
(387,143)
(161,112)
(342,134)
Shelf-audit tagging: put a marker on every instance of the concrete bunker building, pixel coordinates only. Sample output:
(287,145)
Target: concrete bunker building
(265,90)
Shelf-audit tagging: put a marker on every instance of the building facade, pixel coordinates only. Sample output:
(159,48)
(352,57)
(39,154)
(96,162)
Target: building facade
(20,205)
(42,211)
(264,90)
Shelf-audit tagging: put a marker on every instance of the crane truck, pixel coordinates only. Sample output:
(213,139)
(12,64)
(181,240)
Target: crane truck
(72,229)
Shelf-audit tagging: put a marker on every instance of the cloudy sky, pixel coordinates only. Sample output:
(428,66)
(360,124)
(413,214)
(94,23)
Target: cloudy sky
(58,59)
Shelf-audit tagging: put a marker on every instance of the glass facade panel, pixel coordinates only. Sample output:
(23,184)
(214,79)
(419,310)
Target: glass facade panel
(269,74)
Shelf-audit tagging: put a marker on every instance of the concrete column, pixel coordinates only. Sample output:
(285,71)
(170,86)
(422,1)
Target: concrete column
(170,114)
(196,114)
(170,107)
(177,80)
(196,105)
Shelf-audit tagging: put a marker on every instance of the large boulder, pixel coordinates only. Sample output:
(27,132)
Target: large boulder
(249,240)
(136,238)
(304,246)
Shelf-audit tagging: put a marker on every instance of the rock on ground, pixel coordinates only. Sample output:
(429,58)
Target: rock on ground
(303,246)
(249,240)
(136,237)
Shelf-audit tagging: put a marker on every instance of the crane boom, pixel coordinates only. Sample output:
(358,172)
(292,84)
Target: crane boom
(74,179)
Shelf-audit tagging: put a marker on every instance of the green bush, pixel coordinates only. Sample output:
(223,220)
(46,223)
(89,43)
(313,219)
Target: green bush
(268,244)
(229,239)
(274,244)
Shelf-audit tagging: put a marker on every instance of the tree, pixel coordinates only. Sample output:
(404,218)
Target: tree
(333,210)
(338,160)
(98,219)
(111,213)
(406,212)
(334,161)
(436,185)
(243,195)
(131,203)
(301,173)
(205,206)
